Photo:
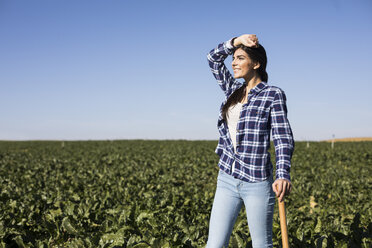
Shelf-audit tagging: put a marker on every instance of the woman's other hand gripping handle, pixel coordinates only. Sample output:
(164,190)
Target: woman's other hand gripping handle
(282,188)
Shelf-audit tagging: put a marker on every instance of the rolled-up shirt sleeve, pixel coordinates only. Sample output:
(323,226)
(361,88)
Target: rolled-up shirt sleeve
(282,136)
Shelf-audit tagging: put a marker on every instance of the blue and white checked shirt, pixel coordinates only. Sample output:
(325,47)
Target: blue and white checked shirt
(264,112)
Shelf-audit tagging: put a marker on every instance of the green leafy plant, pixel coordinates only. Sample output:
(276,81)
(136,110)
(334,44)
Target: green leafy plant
(138,193)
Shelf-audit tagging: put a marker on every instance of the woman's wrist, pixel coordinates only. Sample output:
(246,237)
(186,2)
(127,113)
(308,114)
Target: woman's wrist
(232,42)
(235,42)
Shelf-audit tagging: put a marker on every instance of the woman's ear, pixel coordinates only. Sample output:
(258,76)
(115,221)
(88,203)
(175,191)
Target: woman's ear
(256,66)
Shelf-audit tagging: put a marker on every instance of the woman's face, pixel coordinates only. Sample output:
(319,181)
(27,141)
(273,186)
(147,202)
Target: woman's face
(242,65)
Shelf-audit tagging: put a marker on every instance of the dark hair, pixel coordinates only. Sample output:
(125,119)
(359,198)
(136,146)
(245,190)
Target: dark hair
(256,54)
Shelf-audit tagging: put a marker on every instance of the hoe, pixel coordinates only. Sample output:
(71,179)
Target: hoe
(283,224)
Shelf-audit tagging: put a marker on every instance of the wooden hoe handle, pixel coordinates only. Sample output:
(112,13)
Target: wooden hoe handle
(283,224)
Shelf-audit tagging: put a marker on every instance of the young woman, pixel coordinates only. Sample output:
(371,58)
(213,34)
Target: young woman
(250,112)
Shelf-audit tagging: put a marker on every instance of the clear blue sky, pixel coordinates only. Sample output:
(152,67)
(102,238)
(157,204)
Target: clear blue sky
(138,69)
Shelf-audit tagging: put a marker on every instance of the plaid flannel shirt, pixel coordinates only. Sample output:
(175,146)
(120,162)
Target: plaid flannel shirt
(264,112)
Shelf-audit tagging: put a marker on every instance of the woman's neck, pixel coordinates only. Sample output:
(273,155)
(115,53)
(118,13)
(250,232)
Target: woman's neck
(251,83)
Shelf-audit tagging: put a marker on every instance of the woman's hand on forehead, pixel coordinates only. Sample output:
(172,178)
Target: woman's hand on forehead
(249,40)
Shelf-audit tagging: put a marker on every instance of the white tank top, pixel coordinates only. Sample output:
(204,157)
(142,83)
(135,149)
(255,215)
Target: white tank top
(232,121)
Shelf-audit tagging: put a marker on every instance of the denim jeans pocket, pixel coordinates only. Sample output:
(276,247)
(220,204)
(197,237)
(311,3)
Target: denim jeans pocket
(221,173)
(224,177)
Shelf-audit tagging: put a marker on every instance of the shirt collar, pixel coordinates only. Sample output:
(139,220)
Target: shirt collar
(255,90)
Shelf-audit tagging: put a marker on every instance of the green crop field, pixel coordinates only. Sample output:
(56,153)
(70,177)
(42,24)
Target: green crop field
(160,193)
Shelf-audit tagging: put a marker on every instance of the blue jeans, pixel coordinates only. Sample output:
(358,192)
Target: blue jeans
(259,201)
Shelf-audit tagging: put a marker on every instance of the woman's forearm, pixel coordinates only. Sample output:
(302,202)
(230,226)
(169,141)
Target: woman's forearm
(216,58)
(249,40)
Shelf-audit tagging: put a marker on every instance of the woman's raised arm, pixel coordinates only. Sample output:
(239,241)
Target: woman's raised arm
(216,58)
